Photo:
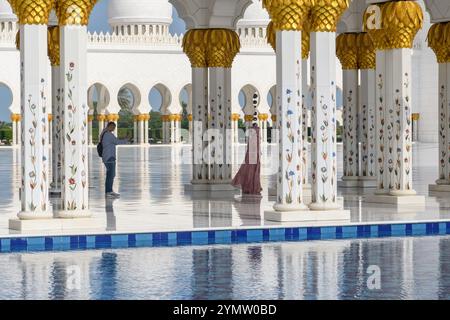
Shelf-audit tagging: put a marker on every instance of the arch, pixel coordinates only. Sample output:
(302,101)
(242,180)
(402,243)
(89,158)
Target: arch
(6,98)
(98,97)
(249,99)
(160,98)
(185,97)
(129,97)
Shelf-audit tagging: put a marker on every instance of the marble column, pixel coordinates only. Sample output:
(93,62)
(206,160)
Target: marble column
(73,20)
(222,47)
(235,127)
(14,130)
(50,129)
(146,120)
(438,40)
(195,48)
(172,128)
(347,52)
(367,107)
(90,120)
(397,149)
(135,129)
(101,124)
(324,18)
(191,127)
(306,97)
(35,106)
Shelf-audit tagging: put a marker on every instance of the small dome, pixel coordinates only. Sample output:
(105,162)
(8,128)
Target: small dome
(6,13)
(126,12)
(255,15)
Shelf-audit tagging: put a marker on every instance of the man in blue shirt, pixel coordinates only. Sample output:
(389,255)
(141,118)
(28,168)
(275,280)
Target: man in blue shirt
(109,143)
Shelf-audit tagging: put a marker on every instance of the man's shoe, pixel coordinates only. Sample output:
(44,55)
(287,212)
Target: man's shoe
(116,195)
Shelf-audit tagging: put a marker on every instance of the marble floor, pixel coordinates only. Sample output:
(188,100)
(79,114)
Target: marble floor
(151,181)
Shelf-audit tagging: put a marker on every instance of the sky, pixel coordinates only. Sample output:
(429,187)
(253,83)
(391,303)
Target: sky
(98,22)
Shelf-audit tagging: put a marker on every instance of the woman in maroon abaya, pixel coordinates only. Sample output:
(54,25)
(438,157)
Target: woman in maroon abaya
(248,176)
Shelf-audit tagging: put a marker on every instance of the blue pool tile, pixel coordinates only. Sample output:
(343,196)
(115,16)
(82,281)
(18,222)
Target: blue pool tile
(5,245)
(327,233)
(408,229)
(255,235)
(419,229)
(349,232)
(200,237)
(172,239)
(384,230)
(103,241)
(373,233)
(211,237)
(442,228)
(277,234)
(432,228)
(36,244)
(398,230)
(313,233)
(222,237)
(239,236)
(144,239)
(184,238)
(303,233)
(119,241)
(18,244)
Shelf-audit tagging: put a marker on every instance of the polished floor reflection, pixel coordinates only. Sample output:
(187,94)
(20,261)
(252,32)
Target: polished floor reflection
(151,181)
(406,268)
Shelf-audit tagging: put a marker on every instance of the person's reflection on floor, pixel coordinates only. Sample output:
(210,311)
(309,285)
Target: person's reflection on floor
(110,215)
(248,208)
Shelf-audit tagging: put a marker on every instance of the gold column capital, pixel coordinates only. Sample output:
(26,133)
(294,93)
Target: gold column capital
(439,41)
(16,117)
(288,15)
(195,47)
(366,52)
(306,38)
(235,117)
(50,117)
(112,117)
(32,11)
(222,46)
(325,14)
(74,12)
(248,118)
(90,117)
(54,46)
(401,21)
(101,117)
(274,117)
(190,117)
(263,117)
(271,36)
(347,50)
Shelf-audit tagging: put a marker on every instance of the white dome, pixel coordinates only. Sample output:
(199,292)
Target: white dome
(6,13)
(126,12)
(255,15)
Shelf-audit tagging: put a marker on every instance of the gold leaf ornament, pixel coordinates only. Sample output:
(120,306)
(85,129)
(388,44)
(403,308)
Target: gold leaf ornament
(326,13)
(32,11)
(288,15)
(439,41)
(74,12)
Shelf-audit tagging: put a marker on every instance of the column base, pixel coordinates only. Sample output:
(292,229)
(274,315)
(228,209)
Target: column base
(54,224)
(439,187)
(80,214)
(307,215)
(357,182)
(396,200)
(196,187)
(30,216)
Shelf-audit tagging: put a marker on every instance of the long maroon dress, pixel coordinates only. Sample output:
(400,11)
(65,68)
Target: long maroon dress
(248,176)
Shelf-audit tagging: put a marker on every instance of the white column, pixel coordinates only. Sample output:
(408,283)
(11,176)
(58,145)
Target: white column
(135,131)
(19,132)
(323,151)
(146,131)
(34,110)
(289,96)
(200,94)
(56,132)
(141,132)
(398,102)
(50,130)
(350,134)
(367,100)
(75,197)
(444,119)
(14,132)
(90,131)
(381,124)
(220,138)
(305,98)
(172,131)
(101,124)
